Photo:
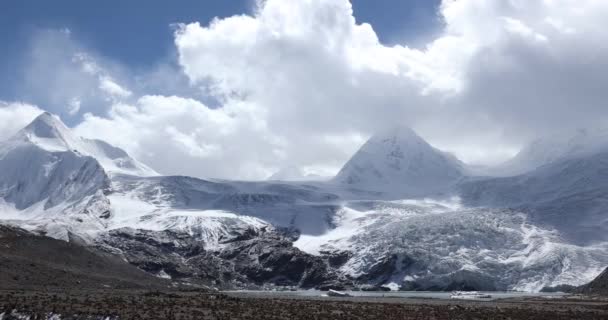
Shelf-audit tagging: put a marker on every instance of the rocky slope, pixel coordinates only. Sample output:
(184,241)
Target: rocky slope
(254,259)
(31,261)
(598,286)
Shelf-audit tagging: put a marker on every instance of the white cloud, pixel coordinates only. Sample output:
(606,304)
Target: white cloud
(14,116)
(300,83)
(183,136)
(107,85)
(74,106)
(57,71)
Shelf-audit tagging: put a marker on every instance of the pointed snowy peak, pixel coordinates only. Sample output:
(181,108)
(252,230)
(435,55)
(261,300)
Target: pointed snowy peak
(397,158)
(397,139)
(46,126)
(401,134)
(49,133)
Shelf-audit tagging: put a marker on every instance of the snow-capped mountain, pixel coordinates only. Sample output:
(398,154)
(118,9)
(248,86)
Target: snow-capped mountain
(398,160)
(570,195)
(48,184)
(551,149)
(441,230)
(48,133)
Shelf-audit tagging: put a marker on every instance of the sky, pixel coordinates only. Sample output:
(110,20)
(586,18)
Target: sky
(241,89)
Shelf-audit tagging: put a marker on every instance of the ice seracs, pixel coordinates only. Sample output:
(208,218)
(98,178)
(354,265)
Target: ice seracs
(428,245)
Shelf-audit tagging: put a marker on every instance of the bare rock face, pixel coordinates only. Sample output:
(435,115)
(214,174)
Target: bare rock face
(251,259)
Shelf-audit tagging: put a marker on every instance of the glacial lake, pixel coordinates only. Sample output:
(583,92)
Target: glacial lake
(401,294)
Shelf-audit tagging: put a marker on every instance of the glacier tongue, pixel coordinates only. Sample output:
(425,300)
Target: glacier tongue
(428,245)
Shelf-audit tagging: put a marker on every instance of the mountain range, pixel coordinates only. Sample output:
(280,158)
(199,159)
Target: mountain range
(400,214)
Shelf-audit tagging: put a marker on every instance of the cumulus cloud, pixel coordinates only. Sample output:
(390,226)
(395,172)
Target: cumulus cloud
(302,83)
(105,83)
(14,116)
(183,136)
(114,90)
(544,75)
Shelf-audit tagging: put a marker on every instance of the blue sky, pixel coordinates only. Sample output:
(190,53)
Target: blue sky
(137,36)
(137,33)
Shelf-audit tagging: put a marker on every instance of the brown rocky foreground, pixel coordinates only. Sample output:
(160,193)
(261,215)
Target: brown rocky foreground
(118,304)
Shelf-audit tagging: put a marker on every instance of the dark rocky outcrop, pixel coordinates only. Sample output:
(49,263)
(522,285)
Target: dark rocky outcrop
(560,288)
(598,286)
(255,258)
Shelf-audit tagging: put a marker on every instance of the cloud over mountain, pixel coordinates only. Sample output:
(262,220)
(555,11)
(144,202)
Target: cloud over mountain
(303,83)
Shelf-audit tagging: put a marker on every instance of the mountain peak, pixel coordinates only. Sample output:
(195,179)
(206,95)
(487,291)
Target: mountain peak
(399,130)
(49,133)
(398,159)
(402,133)
(398,137)
(46,126)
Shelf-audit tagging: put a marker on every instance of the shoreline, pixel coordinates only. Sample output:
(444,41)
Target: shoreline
(145,304)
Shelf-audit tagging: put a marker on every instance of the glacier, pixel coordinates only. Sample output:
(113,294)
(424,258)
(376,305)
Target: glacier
(429,245)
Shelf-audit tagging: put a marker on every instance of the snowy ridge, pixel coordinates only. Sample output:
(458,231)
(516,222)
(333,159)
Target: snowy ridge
(50,134)
(568,195)
(134,206)
(29,175)
(280,205)
(550,150)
